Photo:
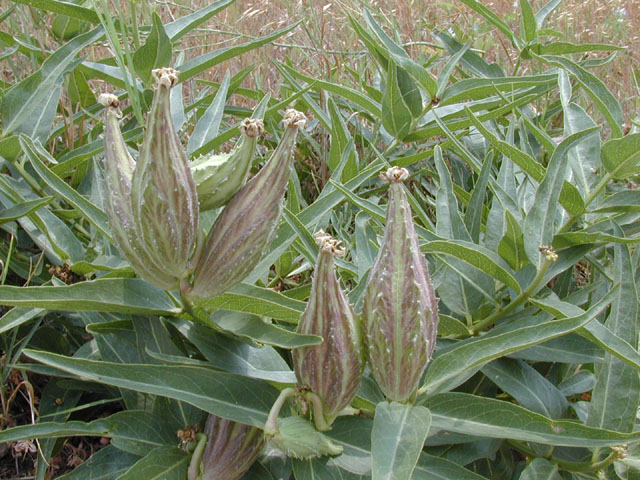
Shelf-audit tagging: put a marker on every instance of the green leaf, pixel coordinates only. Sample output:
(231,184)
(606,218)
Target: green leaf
(511,246)
(615,397)
(208,60)
(258,330)
(597,90)
(108,463)
(23,104)
(540,469)
(480,416)
(34,151)
(530,389)
(23,209)
(257,300)
(564,48)
(479,88)
(64,8)
(396,115)
(612,343)
(545,11)
(584,159)
(624,201)
(183,25)
(437,468)
(493,19)
(155,53)
(528,21)
(539,225)
(235,356)
(398,434)
(17,316)
(569,239)
(477,256)
(570,198)
(123,295)
(479,351)
(207,127)
(320,469)
(236,398)
(163,463)
(473,215)
(620,156)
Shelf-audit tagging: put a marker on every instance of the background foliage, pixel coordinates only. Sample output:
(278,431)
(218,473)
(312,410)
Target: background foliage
(518,135)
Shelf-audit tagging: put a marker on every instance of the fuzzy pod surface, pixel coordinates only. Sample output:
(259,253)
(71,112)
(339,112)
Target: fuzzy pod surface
(231,449)
(332,369)
(219,177)
(127,220)
(246,226)
(400,312)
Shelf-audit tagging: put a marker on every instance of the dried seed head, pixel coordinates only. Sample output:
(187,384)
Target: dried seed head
(394,175)
(109,100)
(165,77)
(294,119)
(328,244)
(252,127)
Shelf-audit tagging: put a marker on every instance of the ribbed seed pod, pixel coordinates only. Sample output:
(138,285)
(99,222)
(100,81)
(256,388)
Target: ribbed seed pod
(246,226)
(119,168)
(163,194)
(219,177)
(231,449)
(400,312)
(332,369)
(298,438)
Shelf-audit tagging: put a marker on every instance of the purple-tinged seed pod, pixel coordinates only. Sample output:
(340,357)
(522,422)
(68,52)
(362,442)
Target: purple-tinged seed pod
(231,449)
(246,226)
(334,368)
(400,312)
(163,193)
(119,167)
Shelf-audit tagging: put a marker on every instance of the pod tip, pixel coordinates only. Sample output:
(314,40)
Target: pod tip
(294,118)
(252,127)
(165,76)
(328,244)
(394,175)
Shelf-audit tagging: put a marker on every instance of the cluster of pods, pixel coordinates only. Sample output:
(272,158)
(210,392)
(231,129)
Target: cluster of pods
(153,205)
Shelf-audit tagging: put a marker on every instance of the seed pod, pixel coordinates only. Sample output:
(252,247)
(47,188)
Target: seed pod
(246,226)
(332,369)
(231,449)
(219,177)
(400,312)
(163,194)
(119,167)
(297,437)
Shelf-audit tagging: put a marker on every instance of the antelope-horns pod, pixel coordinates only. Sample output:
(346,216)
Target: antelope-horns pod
(332,369)
(246,226)
(400,312)
(230,451)
(219,177)
(163,194)
(119,167)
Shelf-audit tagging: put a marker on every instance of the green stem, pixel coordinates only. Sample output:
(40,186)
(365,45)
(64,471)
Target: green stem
(318,413)
(271,426)
(196,457)
(578,467)
(533,287)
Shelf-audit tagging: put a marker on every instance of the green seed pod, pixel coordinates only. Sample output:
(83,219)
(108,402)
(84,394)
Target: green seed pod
(219,177)
(231,450)
(332,369)
(163,194)
(246,226)
(400,312)
(119,167)
(297,437)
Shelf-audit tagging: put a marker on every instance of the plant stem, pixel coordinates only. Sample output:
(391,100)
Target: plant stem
(271,426)
(318,413)
(533,287)
(196,457)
